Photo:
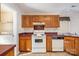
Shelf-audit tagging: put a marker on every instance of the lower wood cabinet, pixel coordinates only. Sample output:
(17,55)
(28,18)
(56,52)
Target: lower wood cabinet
(48,43)
(77,46)
(71,45)
(25,43)
(28,45)
(22,43)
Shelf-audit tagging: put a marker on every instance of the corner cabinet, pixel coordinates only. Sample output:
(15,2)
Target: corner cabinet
(51,21)
(25,42)
(71,45)
(77,46)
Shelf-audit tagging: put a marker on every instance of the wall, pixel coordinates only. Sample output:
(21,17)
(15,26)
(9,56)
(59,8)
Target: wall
(64,27)
(16,32)
(74,26)
(6,39)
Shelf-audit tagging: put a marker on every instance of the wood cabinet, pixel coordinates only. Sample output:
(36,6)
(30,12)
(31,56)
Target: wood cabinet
(28,44)
(26,21)
(22,45)
(25,42)
(71,45)
(77,46)
(48,43)
(55,21)
(47,20)
(51,21)
(36,18)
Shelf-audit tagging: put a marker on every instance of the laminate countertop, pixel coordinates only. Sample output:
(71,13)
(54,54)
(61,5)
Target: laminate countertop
(5,48)
(71,35)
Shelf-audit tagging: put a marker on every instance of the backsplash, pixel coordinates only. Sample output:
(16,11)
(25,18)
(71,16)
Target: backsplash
(46,30)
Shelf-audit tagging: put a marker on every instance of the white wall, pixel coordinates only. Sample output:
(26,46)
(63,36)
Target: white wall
(64,27)
(15,32)
(6,39)
(74,24)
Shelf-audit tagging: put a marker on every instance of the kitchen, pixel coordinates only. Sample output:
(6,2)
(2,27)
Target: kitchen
(50,29)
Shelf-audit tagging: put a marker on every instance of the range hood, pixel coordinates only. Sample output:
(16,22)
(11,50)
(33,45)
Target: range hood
(64,18)
(38,23)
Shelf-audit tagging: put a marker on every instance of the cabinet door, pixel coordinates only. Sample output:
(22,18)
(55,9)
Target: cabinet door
(66,43)
(47,20)
(77,46)
(72,45)
(55,21)
(26,21)
(48,43)
(28,43)
(22,44)
(35,18)
(69,44)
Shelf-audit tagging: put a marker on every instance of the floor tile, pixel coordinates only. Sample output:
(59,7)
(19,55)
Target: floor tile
(46,54)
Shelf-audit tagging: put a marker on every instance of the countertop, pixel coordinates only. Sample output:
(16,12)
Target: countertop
(5,48)
(72,35)
(52,33)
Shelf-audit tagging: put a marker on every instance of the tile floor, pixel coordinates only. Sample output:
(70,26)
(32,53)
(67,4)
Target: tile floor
(45,54)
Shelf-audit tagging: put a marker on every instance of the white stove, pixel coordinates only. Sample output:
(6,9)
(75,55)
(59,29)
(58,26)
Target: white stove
(39,43)
(38,39)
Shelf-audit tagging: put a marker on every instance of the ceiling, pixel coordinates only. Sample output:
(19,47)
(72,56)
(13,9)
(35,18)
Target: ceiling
(45,7)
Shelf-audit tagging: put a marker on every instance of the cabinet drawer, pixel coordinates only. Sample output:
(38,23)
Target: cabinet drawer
(25,37)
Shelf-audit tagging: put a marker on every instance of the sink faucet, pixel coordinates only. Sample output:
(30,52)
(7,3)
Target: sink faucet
(75,33)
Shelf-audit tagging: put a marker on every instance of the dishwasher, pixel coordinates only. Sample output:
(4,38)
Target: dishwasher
(58,43)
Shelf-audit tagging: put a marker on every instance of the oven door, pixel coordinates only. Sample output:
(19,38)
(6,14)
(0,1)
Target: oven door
(38,42)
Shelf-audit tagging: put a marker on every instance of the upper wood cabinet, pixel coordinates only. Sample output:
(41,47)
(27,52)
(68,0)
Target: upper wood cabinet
(26,21)
(51,21)
(35,18)
(47,20)
(55,21)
